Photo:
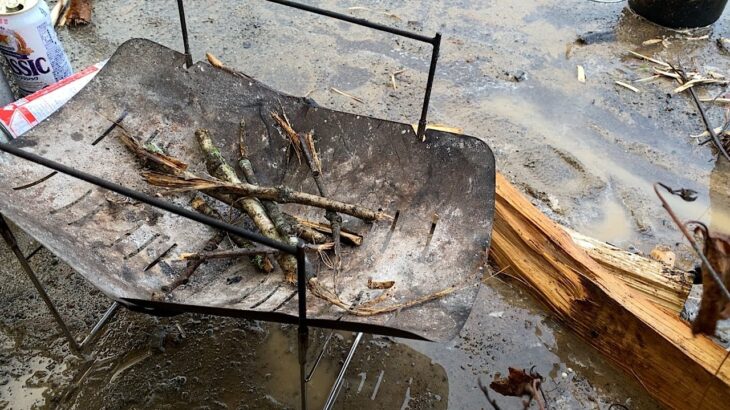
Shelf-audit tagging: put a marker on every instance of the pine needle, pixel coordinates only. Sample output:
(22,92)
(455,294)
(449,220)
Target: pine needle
(630,87)
(647,58)
(358,99)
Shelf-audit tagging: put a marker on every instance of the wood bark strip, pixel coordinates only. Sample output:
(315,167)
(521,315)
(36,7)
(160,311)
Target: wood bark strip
(663,285)
(649,342)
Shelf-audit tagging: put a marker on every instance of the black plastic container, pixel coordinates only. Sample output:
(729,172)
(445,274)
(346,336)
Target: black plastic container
(679,13)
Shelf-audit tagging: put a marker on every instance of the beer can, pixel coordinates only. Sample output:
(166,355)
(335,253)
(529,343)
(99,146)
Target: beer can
(30,45)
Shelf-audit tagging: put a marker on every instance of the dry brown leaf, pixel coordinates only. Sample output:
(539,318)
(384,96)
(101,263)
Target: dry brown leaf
(519,383)
(714,305)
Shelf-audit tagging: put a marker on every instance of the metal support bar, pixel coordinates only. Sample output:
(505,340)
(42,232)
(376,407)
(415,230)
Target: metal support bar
(9,238)
(184,29)
(147,199)
(303,332)
(435,41)
(422,123)
(332,398)
(354,20)
(99,325)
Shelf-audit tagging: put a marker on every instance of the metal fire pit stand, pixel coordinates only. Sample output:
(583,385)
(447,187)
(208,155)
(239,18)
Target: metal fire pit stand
(297,251)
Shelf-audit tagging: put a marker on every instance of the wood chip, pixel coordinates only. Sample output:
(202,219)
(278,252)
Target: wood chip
(667,74)
(700,38)
(630,87)
(698,81)
(647,58)
(652,41)
(581,74)
(58,10)
(358,99)
(716,100)
(380,284)
(664,254)
(706,134)
(214,61)
(439,127)
(648,79)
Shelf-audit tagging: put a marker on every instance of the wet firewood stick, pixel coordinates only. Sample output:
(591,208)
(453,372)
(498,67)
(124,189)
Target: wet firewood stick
(306,145)
(193,265)
(187,181)
(261,263)
(219,168)
(280,194)
(228,253)
(272,208)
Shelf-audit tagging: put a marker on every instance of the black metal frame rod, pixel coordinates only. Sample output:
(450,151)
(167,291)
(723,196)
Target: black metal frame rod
(435,41)
(356,20)
(147,199)
(184,29)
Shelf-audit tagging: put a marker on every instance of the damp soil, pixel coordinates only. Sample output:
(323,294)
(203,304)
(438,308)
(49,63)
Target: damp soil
(587,155)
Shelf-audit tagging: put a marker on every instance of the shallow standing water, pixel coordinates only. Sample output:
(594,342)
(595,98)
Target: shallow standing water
(586,153)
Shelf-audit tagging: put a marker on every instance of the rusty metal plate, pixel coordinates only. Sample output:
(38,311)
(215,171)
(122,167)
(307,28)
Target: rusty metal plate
(130,250)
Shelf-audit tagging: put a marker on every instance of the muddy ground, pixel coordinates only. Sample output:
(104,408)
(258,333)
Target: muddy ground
(586,153)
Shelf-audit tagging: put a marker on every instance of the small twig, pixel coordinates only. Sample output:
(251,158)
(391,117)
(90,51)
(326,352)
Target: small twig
(294,139)
(193,265)
(352,237)
(703,114)
(229,253)
(202,206)
(215,62)
(280,194)
(272,208)
(647,58)
(630,87)
(358,99)
(325,294)
(486,393)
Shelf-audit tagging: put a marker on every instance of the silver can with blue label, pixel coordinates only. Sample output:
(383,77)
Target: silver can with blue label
(30,45)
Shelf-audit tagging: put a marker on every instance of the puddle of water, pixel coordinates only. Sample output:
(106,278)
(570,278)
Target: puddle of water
(26,387)
(278,355)
(613,226)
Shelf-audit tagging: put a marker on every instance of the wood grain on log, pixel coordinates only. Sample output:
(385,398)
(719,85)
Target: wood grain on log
(648,341)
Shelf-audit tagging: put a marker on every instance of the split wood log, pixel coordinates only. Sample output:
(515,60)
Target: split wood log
(648,341)
(663,285)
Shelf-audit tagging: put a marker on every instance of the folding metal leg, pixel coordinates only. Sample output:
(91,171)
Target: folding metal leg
(108,315)
(77,348)
(335,391)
